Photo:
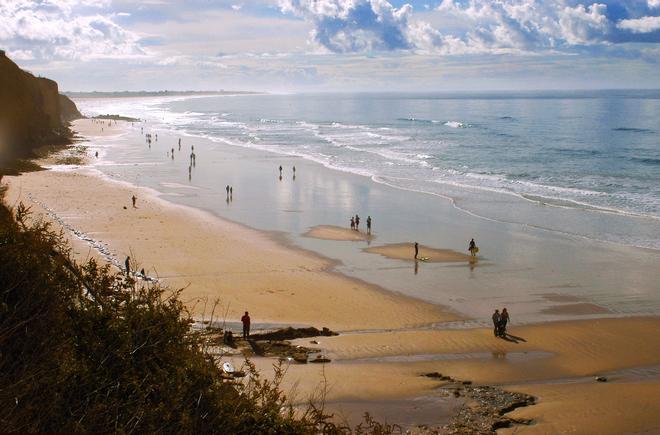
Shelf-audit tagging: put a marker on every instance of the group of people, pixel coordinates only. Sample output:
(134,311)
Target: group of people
(355,223)
(294,172)
(500,321)
(230,192)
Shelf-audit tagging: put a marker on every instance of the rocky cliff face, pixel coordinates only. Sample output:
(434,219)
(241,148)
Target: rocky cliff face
(32,112)
(68,109)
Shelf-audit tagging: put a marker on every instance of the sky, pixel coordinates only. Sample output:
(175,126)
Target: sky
(335,45)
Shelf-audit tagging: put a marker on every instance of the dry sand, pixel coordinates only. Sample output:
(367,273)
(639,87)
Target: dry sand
(247,269)
(331,232)
(406,251)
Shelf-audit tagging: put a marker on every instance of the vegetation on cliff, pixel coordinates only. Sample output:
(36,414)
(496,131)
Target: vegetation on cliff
(83,349)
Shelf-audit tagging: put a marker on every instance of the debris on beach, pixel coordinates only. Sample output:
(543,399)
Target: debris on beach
(484,409)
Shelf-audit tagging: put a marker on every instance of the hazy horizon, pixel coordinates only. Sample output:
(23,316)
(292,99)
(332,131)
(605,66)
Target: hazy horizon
(293,46)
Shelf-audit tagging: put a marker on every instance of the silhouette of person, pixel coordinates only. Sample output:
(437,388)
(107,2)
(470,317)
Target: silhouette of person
(496,323)
(127,263)
(227,189)
(134,198)
(357,222)
(416,250)
(231,193)
(97,154)
(246,325)
(472,248)
(280,171)
(352,223)
(504,319)
(368,224)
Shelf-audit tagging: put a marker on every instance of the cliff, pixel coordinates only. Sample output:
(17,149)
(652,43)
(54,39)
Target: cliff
(32,112)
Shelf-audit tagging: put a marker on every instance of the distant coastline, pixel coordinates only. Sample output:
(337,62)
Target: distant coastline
(138,94)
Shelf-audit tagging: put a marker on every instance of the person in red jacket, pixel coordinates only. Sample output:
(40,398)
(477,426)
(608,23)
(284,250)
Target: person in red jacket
(246,325)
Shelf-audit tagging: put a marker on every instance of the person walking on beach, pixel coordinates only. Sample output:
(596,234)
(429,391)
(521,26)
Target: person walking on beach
(127,263)
(227,189)
(134,198)
(246,325)
(473,248)
(294,171)
(231,192)
(504,319)
(179,144)
(368,224)
(280,171)
(357,222)
(352,223)
(496,323)
(416,250)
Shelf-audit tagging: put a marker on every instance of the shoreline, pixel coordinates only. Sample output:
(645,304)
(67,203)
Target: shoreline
(579,347)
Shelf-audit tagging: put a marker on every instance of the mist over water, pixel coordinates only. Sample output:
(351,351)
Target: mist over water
(579,163)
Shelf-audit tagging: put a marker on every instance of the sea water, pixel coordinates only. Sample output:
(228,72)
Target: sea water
(578,163)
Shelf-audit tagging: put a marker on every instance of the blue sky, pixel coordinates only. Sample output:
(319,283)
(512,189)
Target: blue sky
(336,45)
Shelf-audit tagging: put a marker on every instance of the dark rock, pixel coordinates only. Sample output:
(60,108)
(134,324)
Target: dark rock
(601,379)
(467,382)
(293,333)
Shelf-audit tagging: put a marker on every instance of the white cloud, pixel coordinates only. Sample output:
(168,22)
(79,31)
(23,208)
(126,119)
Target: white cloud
(354,25)
(584,25)
(654,3)
(640,25)
(487,25)
(237,7)
(53,29)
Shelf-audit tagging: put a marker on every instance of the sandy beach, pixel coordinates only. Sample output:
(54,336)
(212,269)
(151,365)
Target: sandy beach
(388,339)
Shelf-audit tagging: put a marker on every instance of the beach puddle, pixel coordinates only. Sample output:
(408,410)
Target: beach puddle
(407,413)
(504,356)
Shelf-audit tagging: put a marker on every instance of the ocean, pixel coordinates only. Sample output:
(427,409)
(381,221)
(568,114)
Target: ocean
(584,164)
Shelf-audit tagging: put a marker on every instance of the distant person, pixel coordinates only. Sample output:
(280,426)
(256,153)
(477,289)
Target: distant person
(357,222)
(368,224)
(246,325)
(97,154)
(416,250)
(156,137)
(496,323)
(134,198)
(472,248)
(280,172)
(142,272)
(127,263)
(294,171)
(227,189)
(504,319)
(179,144)
(352,223)
(231,192)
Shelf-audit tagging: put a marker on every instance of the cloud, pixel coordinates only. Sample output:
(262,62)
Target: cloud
(478,26)
(64,29)
(354,25)
(237,7)
(640,25)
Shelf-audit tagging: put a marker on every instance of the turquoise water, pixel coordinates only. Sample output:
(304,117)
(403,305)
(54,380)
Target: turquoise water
(579,163)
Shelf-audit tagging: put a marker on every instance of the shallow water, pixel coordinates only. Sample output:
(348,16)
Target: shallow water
(518,263)
(584,163)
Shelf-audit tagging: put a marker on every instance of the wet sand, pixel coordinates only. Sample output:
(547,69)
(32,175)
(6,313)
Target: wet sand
(388,340)
(406,251)
(331,232)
